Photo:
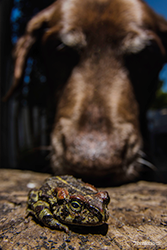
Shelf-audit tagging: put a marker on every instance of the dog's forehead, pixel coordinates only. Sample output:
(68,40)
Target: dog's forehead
(118,17)
(128,10)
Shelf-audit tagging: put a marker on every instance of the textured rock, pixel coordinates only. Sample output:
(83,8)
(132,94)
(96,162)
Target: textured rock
(138,218)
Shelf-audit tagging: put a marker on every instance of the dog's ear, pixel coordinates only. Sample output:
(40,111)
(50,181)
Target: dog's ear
(24,45)
(159,26)
(162,31)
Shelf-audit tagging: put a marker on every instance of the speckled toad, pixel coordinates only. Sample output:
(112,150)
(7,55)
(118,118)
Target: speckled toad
(67,200)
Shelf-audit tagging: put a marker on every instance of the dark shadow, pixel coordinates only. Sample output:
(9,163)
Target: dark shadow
(103,229)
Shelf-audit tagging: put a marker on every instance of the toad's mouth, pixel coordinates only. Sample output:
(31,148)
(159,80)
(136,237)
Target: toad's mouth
(84,218)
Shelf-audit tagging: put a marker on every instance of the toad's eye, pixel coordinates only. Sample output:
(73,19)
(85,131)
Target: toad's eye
(76,206)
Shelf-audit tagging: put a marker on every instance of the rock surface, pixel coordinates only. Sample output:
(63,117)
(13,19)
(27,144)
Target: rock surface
(138,218)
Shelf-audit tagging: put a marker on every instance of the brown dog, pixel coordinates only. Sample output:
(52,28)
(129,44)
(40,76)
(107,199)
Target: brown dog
(112,53)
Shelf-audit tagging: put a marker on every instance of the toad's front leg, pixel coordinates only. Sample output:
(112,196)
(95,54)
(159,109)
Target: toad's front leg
(41,210)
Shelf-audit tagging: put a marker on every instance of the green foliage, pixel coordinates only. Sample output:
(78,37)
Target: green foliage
(160,100)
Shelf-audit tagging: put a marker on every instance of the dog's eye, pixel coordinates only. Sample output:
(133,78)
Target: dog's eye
(61,47)
(153,47)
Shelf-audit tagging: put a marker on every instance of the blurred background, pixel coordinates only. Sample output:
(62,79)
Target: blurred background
(27,118)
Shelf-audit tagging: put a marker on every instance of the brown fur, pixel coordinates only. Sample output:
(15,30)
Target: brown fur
(119,48)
